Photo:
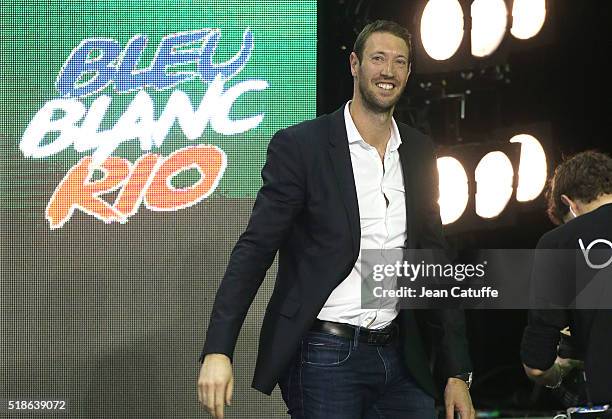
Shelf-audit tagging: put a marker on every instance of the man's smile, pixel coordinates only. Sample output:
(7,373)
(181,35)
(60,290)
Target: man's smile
(385,86)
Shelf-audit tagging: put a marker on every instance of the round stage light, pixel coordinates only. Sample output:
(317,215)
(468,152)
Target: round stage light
(532,168)
(527,18)
(442,28)
(494,176)
(489,20)
(454,193)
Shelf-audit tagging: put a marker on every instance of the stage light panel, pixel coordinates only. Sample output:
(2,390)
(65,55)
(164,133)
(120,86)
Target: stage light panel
(494,176)
(454,191)
(489,21)
(442,28)
(532,169)
(528,17)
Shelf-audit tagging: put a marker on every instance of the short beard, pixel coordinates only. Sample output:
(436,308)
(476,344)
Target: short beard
(369,101)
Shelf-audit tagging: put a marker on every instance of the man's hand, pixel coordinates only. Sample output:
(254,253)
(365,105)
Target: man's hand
(215,384)
(568,364)
(553,375)
(457,399)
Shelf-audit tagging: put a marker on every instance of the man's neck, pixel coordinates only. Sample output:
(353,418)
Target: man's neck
(601,200)
(374,128)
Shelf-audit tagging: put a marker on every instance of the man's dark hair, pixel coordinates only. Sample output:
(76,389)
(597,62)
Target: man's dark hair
(382,26)
(585,176)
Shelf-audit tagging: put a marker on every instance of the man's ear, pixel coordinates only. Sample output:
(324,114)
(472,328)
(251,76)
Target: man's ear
(354,61)
(566,200)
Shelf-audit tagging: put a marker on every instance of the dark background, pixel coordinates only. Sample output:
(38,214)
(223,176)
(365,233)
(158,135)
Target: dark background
(555,84)
(113,317)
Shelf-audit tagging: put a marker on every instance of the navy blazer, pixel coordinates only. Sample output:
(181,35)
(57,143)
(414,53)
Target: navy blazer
(307,210)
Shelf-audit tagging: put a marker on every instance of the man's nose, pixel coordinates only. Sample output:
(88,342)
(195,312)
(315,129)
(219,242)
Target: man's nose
(387,69)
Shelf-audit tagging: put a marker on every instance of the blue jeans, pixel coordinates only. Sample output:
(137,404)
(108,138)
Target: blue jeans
(337,378)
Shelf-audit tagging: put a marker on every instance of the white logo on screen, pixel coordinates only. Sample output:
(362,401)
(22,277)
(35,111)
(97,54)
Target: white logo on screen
(587,249)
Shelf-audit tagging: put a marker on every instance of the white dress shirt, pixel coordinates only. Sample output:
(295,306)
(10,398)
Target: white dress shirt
(382,226)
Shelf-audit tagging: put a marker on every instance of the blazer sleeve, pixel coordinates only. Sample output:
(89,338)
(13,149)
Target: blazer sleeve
(278,202)
(445,327)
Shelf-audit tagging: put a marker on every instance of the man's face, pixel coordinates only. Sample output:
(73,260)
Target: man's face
(382,73)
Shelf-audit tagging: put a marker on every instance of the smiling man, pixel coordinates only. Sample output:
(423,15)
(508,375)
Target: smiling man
(332,187)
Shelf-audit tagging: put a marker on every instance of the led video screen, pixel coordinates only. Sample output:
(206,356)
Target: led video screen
(133,134)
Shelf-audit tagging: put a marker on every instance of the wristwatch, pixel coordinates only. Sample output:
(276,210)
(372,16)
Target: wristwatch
(466,376)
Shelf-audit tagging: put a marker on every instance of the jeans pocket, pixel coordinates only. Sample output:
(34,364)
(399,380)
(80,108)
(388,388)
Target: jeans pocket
(323,350)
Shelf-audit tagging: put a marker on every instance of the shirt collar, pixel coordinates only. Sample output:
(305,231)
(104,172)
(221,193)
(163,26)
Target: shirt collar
(353,134)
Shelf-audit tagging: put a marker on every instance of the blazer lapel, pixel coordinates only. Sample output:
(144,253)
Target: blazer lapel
(407,164)
(343,169)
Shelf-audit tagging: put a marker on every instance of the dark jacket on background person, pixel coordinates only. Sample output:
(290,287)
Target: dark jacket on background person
(591,328)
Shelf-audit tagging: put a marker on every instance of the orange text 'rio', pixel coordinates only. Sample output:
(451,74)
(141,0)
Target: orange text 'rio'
(148,179)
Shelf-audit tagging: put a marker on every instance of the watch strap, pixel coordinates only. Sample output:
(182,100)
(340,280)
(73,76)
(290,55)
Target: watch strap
(467,377)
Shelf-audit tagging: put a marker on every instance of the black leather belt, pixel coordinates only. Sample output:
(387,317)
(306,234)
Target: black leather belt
(369,336)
